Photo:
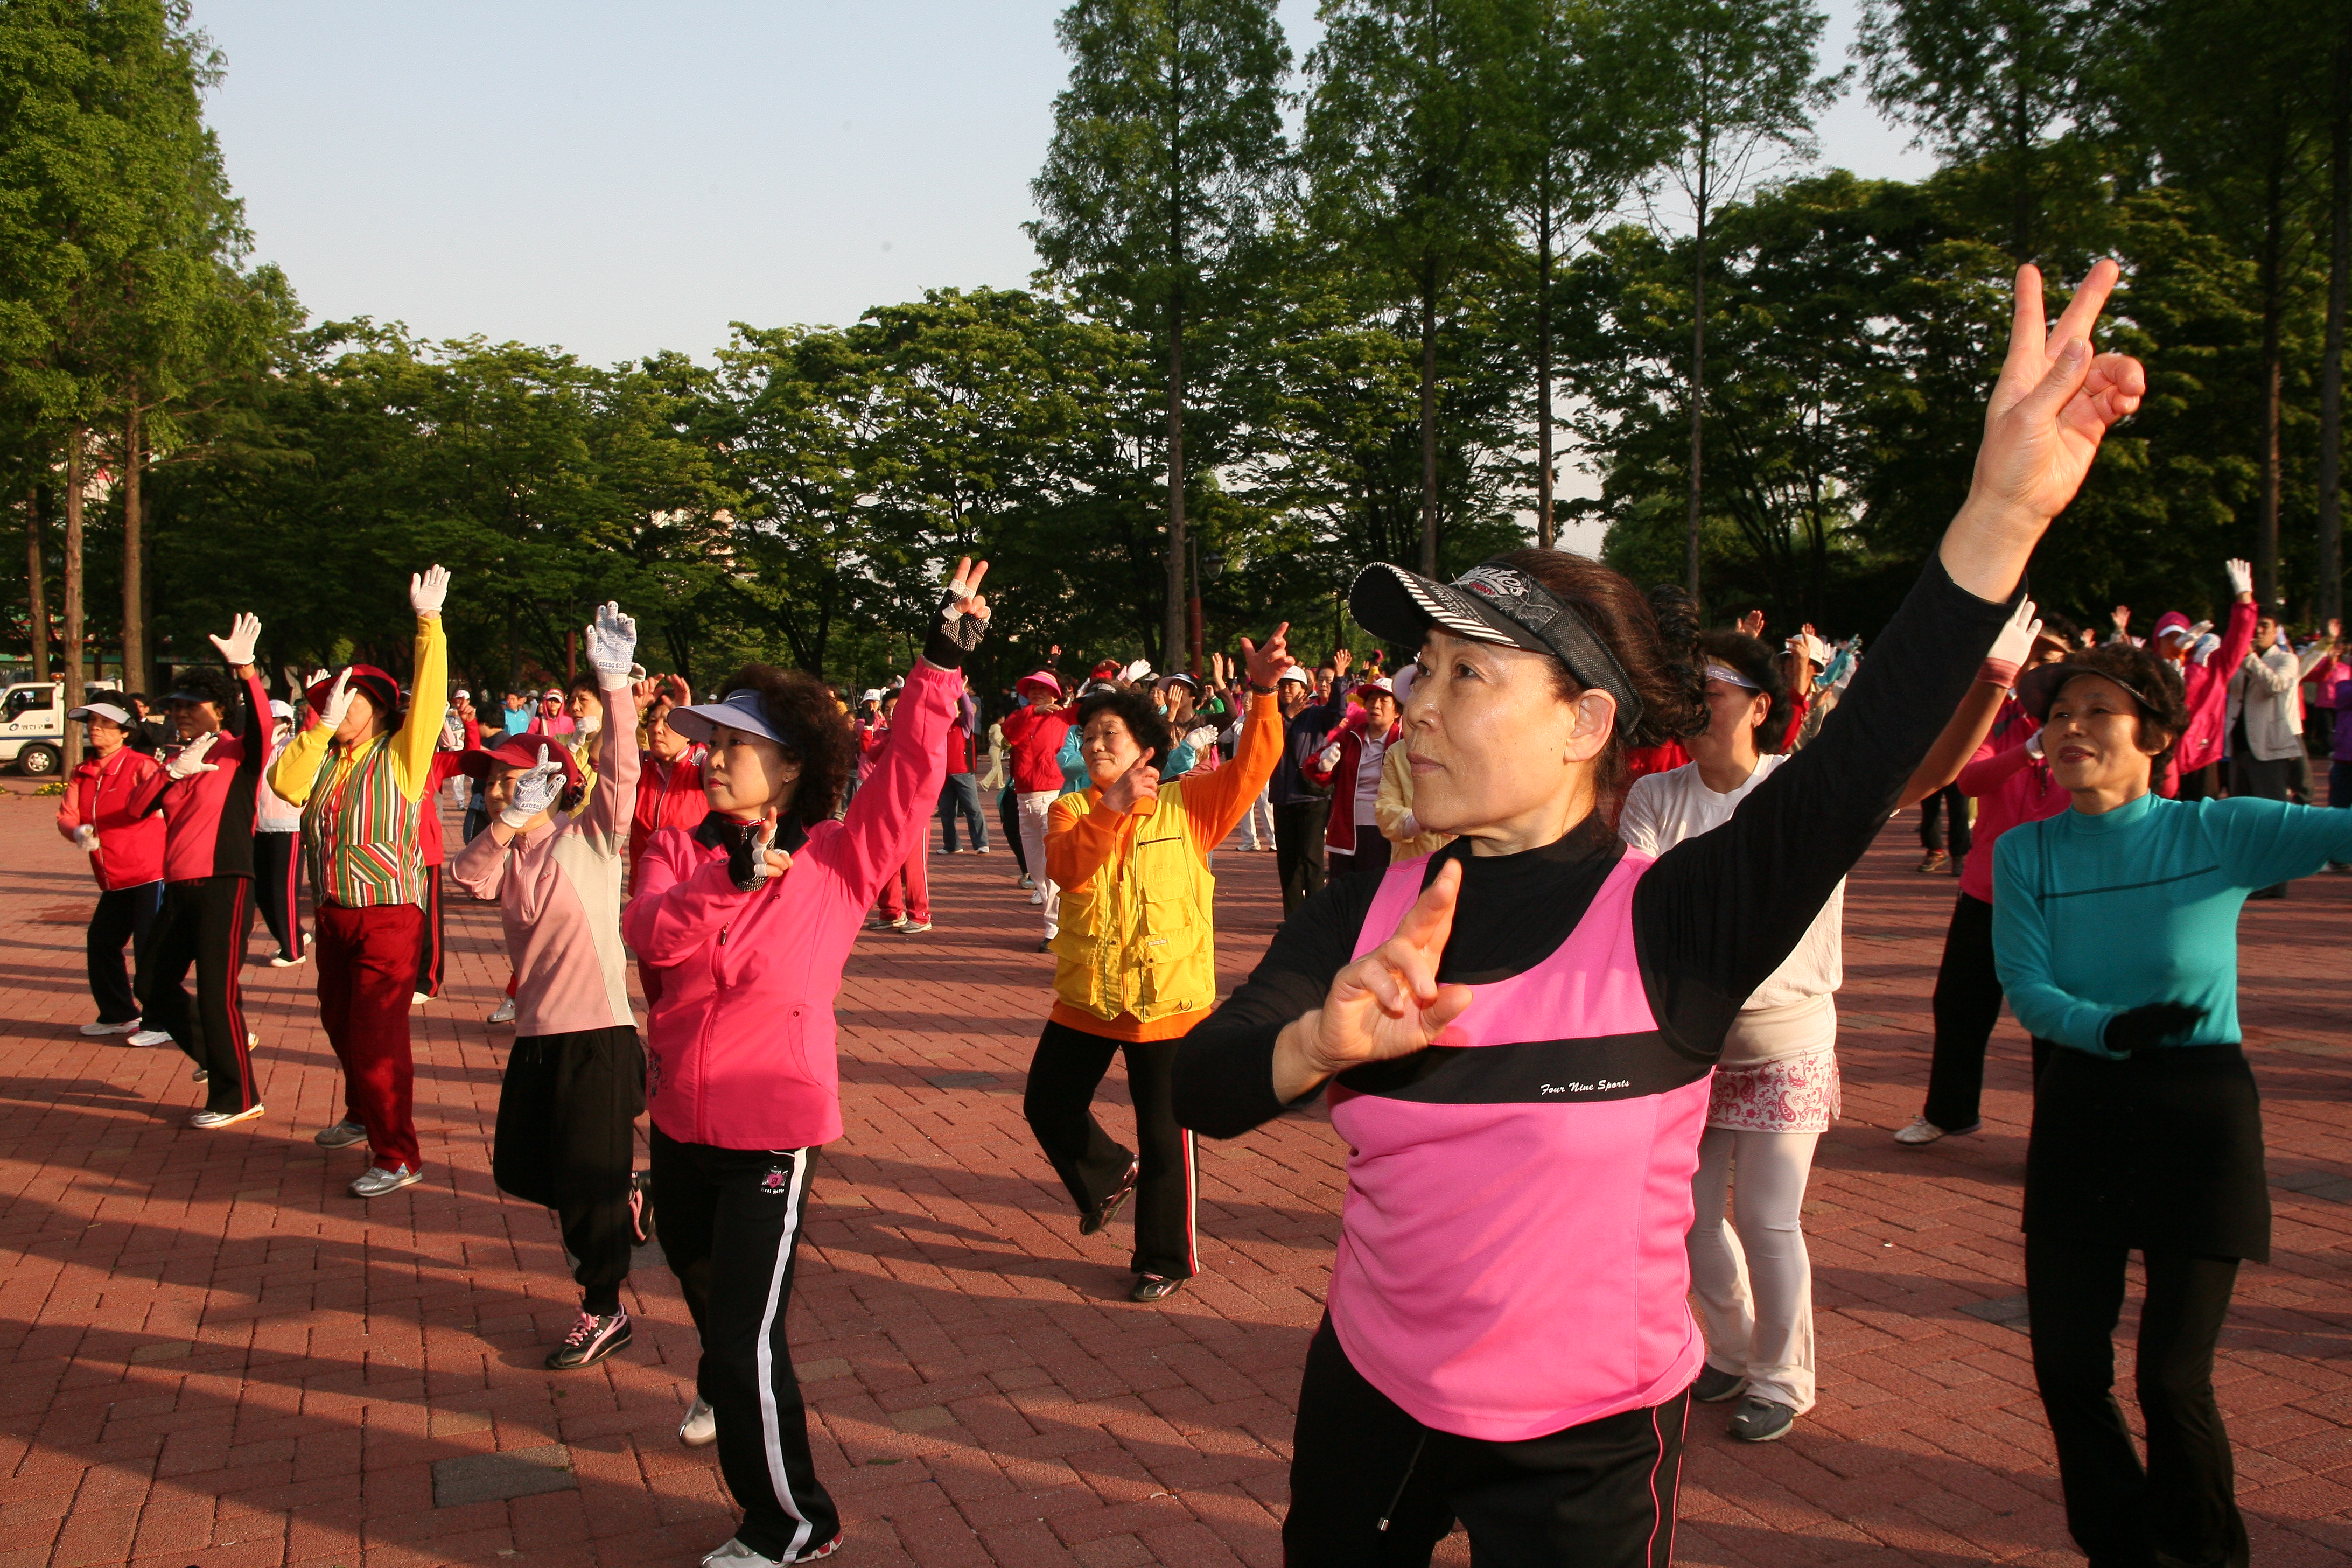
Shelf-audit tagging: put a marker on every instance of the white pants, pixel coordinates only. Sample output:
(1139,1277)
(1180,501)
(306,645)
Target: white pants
(1754,1282)
(1035,805)
(1260,810)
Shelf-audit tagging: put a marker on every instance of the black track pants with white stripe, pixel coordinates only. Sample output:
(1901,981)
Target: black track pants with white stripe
(206,922)
(1372,1488)
(731,1226)
(1063,1074)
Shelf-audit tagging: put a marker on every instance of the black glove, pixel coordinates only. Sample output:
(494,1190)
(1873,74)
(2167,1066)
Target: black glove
(955,635)
(2145,1028)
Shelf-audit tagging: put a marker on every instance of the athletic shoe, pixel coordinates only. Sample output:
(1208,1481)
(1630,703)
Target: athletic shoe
(1932,861)
(984,850)
(700,1427)
(735,1555)
(641,1207)
(504,1014)
(1923,1131)
(914,928)
(1154,1287)
(1102,1213)
(208,1118)
(283,961)
(1761,1420)
(418,998)
(150,1037)
(1047,945)
(1026,881)
(594,1337)
(200,1075)
(128,1026)
(342,1135)
(1715,1386)
(375,1180)
(1036,895)
(896,923)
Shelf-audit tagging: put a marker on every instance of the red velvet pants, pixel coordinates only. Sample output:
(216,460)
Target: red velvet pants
(367,971)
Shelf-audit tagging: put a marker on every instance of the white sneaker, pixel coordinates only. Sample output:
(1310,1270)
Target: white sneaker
(282,962)
(735,1555)
(505,1014)
(209,1119)
(149,1037)
(418,998)
(375,1180)
(700,1427)
(130,1026)
(1923,1131)
(1038,896)
(981,850)
(914,928)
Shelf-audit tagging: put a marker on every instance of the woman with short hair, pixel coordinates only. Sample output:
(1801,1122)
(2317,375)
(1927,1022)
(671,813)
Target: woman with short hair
(1519,1030)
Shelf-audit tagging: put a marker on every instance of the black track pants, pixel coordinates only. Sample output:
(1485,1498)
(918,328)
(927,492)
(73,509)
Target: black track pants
(2183,1503)
(730,1226)
(1008,818)
(206,923)
(124,914)
(1968,1005)
(1298,849)
(428,951)
(277,887)
(1063,1074)
(566,1141)
(1598,1495)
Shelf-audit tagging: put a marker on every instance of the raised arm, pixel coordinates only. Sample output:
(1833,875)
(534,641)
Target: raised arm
(428,699)
(1215,802)
(1973,721)
(612,646)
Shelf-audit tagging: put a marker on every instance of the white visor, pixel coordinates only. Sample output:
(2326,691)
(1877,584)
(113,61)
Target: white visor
(102,710)
(743,710)
(1730,677)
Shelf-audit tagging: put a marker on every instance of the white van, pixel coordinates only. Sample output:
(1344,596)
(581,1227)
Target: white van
(33,727)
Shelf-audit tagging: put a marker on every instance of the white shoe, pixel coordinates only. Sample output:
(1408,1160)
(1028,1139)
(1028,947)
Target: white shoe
(209,1119)
(102,1027)
(981,850)
(505,1014)
(149,1037)
(282,962)
(1038,896)
(700,1427)
(914,928)
(418,998)
(1923,1131)
(375,1180)
(735,1555)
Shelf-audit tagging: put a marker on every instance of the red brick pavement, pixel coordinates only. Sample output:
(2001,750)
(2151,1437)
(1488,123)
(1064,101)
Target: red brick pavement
(216,1357)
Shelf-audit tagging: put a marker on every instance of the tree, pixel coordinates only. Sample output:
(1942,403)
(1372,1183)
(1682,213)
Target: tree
(1166,144)
(1407,149)
(1739,91)
(2339,282)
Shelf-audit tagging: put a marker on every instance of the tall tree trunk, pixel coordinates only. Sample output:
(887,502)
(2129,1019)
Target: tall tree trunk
(134,620)
(1175,637)
(37,540)
(2331,379)
(2266,534)
(75,437)
(1429,418)
(2020,216)
(1547,531)
(1697,380)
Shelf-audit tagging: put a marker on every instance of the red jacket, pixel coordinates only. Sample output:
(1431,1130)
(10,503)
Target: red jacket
(1336,765)
(208,817)
(740,1048)
(669,794)
(130,841)
(1036,740)
(2206,689)
(445,766)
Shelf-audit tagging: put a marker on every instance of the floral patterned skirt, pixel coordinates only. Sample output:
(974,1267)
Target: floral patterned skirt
(1794,1094)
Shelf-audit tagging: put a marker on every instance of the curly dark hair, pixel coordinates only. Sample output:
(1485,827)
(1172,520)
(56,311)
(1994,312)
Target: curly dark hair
(2155,685)
(1138,713)
(1753,660)
(210,685)
(800,706)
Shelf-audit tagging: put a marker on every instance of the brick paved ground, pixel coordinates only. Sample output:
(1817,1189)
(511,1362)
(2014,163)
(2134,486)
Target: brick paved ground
(214,1356)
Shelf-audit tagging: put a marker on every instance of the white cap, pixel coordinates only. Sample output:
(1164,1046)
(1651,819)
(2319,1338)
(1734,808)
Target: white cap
(872,694)
(120,715)
(280,708)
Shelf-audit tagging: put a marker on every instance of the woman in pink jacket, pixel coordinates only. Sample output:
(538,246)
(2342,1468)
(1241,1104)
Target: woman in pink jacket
(748,921)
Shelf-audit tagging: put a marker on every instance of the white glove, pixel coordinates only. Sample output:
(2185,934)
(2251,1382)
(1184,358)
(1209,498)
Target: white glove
(86,839)
(339,703)
(2241,576)
(534,791)
(1201,739)
(427,589)
(747,859)
(1139,670)
(612,643)
(2016,638)
(191,760)
(2033,746)
(238,647)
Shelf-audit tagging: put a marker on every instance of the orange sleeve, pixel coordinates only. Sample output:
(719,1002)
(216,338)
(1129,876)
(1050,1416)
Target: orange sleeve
(1214,803)
(1080,844)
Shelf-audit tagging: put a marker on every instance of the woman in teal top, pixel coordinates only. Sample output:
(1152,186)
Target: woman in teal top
(2115,931)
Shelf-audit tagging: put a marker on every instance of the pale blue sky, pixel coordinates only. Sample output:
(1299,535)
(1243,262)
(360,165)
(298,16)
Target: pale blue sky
(618,178)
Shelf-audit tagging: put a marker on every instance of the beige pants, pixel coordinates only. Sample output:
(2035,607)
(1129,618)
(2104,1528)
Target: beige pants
(1753,1278)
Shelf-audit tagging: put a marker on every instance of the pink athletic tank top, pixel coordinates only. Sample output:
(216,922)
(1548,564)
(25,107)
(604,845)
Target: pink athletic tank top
(1510,1257)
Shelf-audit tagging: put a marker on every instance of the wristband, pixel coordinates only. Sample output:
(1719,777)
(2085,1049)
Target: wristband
(1998,672)
(1261,690)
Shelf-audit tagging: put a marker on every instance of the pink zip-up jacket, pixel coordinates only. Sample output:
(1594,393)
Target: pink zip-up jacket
(559,893)
(739,1049)
(2009,787)
(2207,696)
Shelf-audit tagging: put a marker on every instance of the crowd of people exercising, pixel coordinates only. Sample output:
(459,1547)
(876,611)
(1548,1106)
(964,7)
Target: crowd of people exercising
(1562,878)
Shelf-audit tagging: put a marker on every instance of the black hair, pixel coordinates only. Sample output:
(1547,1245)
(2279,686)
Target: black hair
(1141,716)
(2054,625)
(799,706)
(585,680)
(209,685)
(1754,661)
(2156,687)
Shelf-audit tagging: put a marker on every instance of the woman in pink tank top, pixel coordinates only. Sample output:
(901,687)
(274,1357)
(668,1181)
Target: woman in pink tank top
(1517,1033)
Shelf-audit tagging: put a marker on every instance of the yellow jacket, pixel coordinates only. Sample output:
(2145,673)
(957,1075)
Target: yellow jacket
(1393,807)
(295,773)
(1136,956)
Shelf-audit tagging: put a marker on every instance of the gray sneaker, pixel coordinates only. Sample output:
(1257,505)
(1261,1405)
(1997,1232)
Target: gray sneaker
(1761,1420)
(1715,1386)
(342,1135)
(375,1180)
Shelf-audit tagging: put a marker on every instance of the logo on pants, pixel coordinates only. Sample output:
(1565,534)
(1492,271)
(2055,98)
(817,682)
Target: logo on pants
(777,1181)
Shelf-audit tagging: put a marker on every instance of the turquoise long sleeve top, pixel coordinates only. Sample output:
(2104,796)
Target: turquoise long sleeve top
(2093,916)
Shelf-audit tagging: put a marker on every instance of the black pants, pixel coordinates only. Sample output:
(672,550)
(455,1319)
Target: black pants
(206,923)
(1946,802)
(1598,1495)
(958,796)
(1370,860)
(731,1224)
(1008,816)
(1298,849)
(429,957)
(1967,1004)
(2183,1503)
(278,888)
(566,1141)
(1069,1067)
(123,914)
(2203,784)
